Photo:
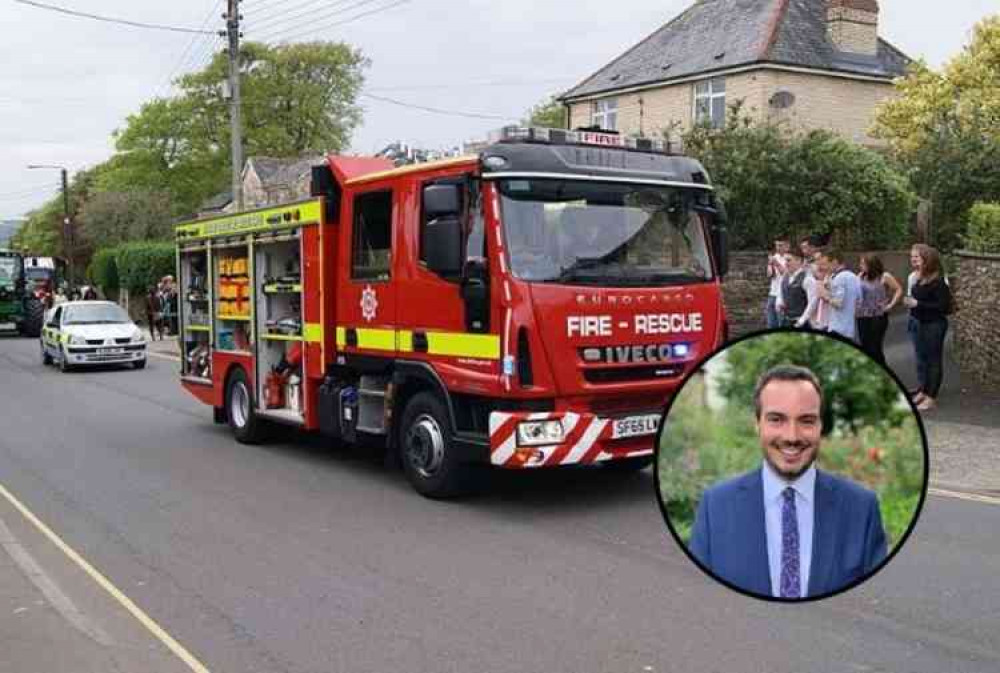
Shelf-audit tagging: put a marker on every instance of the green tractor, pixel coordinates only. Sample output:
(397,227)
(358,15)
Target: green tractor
(20,310)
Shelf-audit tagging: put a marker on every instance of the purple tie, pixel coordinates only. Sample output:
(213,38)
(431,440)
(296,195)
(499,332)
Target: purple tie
(790,585)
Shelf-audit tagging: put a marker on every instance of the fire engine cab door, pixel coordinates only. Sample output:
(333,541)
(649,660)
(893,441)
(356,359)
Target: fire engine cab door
(366,302)
(439,324)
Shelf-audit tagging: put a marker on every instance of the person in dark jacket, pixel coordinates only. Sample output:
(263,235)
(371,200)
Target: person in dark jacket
(929,300)
(793,293)
(153,313)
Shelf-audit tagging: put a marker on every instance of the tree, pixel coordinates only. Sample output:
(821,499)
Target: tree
(775,181)
(297,99)
(945,128)
(857,392)
(549,113)
(110,218)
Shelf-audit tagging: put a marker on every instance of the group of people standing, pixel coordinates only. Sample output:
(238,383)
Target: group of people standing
(812,288)
(161,308)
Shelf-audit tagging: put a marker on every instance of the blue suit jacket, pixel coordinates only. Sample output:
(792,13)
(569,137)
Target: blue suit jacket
(730,539)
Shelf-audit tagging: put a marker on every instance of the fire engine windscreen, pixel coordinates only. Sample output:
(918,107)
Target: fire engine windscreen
(579,232)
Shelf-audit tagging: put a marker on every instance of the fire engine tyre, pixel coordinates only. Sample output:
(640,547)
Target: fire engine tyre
(243,421)
(34,316)
(427,451)
(629,464)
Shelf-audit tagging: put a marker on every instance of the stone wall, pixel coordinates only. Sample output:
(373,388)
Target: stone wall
(977,321)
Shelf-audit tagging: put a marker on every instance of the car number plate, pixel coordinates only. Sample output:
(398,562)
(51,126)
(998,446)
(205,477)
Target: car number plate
(112,351)
(635,426)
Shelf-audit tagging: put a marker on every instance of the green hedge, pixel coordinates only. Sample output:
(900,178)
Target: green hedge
(983,231)
(103,271)
(141,265)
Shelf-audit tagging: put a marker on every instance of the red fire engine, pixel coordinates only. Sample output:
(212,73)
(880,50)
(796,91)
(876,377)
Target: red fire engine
(530,307)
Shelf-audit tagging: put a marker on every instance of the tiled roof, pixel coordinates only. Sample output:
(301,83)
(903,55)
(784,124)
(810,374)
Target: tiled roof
(717,34)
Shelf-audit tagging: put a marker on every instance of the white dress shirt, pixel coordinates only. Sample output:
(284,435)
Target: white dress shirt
(805,490)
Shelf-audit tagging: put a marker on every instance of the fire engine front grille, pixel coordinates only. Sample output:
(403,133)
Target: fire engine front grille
(628,374)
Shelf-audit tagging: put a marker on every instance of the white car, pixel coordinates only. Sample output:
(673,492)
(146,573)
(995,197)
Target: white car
(80,333)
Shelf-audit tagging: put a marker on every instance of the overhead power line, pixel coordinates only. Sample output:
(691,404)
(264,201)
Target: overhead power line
(315,29)
(299,11)
(108,19)
(424,108)
(189,51)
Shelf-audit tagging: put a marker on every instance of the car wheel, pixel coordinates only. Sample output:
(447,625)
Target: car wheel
(46,358)
(427,449)
(64,365)
(243,421)
(139,364)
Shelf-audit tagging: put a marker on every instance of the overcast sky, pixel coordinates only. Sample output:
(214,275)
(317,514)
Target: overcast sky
(66,83)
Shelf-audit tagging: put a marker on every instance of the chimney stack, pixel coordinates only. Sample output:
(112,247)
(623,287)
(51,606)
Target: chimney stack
(852,25)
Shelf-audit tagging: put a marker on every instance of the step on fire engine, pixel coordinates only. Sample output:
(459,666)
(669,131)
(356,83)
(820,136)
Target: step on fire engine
(530,307)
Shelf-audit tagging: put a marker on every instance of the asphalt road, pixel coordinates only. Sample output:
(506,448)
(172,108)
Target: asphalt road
(298,557)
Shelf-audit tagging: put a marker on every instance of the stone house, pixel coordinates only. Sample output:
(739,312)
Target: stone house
(809,63)
(267,181)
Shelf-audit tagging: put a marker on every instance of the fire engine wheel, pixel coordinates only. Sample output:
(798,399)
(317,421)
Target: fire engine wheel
(427,451)
(243,421)
(34,316)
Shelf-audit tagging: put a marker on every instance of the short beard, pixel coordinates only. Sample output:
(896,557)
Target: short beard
(790,476)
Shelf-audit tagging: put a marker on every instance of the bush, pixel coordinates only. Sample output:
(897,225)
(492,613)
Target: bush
(141,265)
(983,231)
(103,270)
(778,182)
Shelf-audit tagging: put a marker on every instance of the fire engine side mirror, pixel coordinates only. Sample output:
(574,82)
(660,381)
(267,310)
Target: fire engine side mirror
(720,243)
(442,201)
(442,245)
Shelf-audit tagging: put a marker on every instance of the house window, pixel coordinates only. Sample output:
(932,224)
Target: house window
(710,102)
(372,236)
(604,114)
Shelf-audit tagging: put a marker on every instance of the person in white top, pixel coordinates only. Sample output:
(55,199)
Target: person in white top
(842,292)
(777,267)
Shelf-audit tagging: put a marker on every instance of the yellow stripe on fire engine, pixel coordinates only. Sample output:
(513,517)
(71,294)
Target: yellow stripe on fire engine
(312,332)
(456,344)
(452,344)
(288,216)
(377,339)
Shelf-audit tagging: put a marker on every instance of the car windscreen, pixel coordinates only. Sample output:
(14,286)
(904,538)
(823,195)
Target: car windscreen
(10,267)
(94,314)
(578,232)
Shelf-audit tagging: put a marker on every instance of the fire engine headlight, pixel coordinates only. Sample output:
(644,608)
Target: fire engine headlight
(538,433)
(681,350)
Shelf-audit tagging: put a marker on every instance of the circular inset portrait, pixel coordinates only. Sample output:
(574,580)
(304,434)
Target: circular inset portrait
(791,466)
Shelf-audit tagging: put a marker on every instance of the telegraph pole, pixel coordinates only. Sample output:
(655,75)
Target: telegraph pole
(232,17)
(67,226)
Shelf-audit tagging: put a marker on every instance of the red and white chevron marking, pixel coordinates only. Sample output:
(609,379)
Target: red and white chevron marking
(585,441)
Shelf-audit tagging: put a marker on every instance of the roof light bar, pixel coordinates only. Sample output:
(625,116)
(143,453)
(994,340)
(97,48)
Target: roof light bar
(537,134)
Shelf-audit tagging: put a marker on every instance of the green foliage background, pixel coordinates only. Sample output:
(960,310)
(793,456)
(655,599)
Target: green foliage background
(775,181)
(140,265)
(983,233)
(700,446)
(103,270)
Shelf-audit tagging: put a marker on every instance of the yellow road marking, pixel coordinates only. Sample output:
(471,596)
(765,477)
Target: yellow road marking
(958,495)
(106,584)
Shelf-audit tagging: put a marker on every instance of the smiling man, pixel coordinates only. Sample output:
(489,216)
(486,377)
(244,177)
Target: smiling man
(788,530)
